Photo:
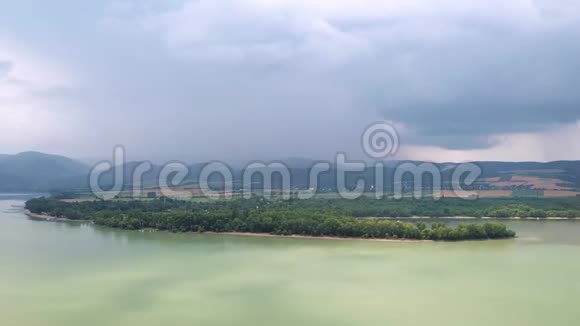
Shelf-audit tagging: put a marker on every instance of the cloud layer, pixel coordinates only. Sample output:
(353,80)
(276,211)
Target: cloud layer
(254,78)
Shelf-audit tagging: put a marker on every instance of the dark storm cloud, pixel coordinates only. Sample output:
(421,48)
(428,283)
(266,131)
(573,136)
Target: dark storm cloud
(457,93)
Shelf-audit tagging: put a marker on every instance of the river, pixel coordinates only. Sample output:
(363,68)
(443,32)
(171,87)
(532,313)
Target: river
(57,273)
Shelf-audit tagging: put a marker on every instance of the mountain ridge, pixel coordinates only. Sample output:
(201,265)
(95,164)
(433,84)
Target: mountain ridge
(37,171)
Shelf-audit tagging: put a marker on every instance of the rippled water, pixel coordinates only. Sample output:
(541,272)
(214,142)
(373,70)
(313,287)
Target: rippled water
(76,274)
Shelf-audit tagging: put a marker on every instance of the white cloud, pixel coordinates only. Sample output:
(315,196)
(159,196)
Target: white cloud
(242,31)
(32,71)
(561,142)
(296,77)
(327,31)
(31,117)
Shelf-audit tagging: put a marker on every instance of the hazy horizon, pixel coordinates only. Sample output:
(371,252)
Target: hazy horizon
(241,163)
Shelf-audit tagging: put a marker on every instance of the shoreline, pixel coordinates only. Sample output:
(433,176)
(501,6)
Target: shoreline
(46,217)
(39,216)
(310,237)
(529,218)
(258,235)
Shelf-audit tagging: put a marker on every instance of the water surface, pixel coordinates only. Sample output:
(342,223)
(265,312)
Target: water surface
(77,274)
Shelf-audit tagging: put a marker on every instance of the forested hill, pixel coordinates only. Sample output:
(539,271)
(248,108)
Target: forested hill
(34,171)
(39,172)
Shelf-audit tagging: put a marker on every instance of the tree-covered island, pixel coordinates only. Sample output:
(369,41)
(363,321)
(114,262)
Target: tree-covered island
(314,217)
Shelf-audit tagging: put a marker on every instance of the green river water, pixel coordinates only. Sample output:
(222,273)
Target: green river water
(54,273)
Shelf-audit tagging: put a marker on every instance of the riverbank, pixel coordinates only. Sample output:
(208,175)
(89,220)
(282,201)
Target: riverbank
(249,234)
(261,235)
(296,236)
(47,217)
(309,218)
(39,216)
(530,218)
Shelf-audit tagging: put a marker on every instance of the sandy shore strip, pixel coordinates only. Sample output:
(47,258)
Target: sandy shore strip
(473,218)
(39,216)
(296,236)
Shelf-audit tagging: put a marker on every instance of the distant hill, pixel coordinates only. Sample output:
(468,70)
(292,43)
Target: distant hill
(34,171)
(39,172)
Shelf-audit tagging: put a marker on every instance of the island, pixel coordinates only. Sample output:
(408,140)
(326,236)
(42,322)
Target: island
(259,216)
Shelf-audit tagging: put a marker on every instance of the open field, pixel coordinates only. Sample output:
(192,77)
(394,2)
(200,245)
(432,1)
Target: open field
(185,194)
(529,181)
(505,193)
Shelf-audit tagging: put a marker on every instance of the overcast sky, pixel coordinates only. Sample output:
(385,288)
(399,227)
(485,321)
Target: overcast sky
(242,79)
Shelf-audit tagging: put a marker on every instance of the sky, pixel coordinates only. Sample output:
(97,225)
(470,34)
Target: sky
(268,79)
